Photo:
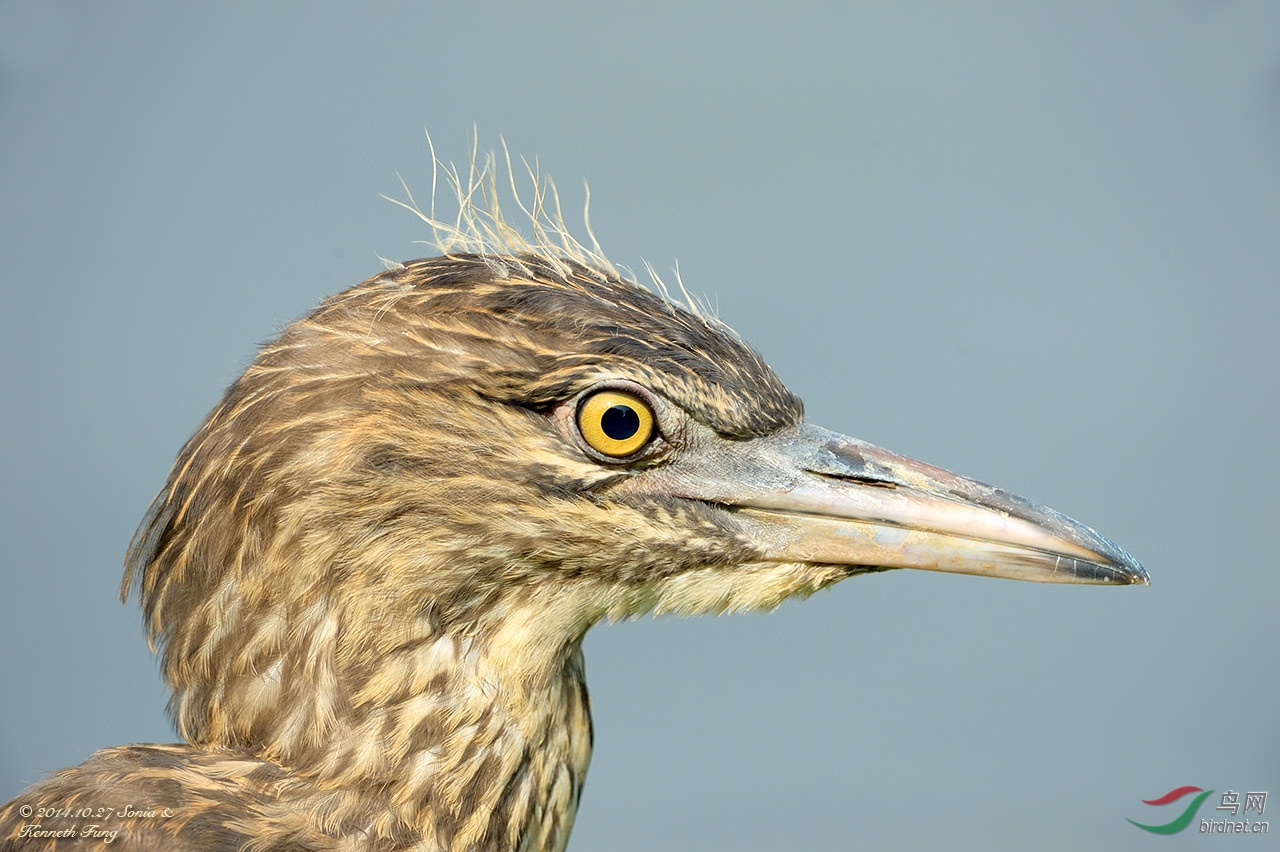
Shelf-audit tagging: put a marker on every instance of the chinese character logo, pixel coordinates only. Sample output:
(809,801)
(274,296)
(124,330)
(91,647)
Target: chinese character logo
(1253,801)
(1184,819)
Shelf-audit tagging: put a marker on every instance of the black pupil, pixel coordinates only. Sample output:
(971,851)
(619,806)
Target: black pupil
(620,422)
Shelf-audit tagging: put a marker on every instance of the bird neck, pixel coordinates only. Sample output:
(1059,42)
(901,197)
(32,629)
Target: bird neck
(470,737)
(484,743)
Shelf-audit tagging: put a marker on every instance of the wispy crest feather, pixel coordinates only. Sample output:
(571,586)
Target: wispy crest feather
(480,226)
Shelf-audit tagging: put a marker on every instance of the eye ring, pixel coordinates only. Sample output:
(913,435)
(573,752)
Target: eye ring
(616,423)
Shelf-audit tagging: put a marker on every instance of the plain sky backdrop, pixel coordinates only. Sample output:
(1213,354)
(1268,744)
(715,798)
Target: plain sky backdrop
(1035,243)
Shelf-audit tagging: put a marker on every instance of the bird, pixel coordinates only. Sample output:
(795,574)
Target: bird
(370,570)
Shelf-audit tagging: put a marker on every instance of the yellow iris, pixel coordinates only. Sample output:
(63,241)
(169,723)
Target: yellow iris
(615,423)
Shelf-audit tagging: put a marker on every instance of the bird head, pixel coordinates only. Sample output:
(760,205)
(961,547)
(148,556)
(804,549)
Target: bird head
(521,446)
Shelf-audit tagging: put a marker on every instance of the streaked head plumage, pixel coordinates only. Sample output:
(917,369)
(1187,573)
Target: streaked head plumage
(407,452)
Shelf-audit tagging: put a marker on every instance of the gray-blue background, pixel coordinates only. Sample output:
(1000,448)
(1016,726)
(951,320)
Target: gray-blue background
(1036,245)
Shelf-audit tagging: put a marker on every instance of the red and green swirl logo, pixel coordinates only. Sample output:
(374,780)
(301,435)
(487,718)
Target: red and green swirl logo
(1183,819)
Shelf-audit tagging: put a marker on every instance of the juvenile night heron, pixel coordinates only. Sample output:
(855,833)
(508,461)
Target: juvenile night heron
(371,569)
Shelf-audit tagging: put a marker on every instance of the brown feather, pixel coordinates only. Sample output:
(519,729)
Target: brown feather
(371,568)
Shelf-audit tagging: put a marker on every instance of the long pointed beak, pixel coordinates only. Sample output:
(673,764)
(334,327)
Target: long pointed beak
(810,495)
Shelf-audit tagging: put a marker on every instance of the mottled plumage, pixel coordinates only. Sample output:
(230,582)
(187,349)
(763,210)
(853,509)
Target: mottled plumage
(373,564)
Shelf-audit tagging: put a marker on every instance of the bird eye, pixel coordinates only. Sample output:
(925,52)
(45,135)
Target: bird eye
(615,423)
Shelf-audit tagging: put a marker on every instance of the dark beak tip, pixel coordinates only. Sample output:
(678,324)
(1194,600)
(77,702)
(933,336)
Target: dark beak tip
(1135,579)
(1130,572)
(1130,567)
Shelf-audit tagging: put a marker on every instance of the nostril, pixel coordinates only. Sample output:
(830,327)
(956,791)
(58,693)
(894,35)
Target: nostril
(862,478)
